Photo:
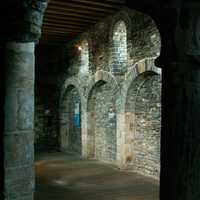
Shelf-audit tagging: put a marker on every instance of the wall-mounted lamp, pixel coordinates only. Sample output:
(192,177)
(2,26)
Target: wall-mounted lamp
(79,48)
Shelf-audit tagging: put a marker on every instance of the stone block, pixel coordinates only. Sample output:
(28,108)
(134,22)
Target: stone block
(11,106)
(19,189)
(14,174)
(20,69)
(19,150)
(25,116)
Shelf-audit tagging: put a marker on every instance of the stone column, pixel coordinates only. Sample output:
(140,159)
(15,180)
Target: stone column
(84,132)
(19,121)
(24,30)
(180,134)
(180,141)
(121,136)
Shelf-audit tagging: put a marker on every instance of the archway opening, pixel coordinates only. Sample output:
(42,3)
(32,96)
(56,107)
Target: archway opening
(70,122)
(101,123)
(143,121)
(119,48)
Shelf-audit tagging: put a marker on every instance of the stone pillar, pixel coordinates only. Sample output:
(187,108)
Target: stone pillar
(121,143)
(19,121)
(180,134)
(180,141)
(25,29)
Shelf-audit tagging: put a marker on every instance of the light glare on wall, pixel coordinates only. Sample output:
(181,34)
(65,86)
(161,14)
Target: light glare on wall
(79,48)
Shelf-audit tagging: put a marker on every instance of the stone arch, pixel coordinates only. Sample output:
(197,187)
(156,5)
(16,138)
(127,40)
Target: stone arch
(124,16)
(144,65)
(101,117)
(105,76)
(70,116)
(141,78)
(71,81)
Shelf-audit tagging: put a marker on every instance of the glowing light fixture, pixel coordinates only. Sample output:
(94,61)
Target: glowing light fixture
(79,48)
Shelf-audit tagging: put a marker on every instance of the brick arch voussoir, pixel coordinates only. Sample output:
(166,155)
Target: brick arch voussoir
(75,82)
(104,76)
(140,67)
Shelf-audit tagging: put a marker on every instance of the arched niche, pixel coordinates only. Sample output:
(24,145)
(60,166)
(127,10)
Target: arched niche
(84,57)
(119,47)
(70,120)
(143,124)
(101,122)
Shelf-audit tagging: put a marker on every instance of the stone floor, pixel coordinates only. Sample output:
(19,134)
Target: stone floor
(65,177)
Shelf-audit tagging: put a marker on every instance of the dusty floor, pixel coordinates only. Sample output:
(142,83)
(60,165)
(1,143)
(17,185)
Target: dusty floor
(65,177)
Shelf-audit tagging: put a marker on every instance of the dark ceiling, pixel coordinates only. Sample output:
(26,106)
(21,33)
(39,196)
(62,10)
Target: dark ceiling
(65,19)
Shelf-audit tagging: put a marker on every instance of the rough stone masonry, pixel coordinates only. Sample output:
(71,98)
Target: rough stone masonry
(119,90)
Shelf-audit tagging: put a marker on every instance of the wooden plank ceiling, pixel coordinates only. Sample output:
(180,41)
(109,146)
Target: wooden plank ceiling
(65,19)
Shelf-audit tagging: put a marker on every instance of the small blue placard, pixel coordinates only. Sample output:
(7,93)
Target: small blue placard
(77,120)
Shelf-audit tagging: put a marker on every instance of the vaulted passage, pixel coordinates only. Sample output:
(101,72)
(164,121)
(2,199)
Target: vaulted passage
(70,121)
(109,112)
(101,123)
(81,93)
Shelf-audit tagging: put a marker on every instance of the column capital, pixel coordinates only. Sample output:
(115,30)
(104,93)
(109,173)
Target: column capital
(22,20)
(180,33)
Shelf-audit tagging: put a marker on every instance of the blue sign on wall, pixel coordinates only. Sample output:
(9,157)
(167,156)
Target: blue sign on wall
(77,120)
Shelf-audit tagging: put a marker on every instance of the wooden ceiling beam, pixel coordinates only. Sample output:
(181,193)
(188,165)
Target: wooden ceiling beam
(56,33)
(55,38)
(62,30)
(50,24)
(75,6)
(69,22)
(106,4)
(73,14)
(45,31)
(63,18)
(53,41)
(59,31)
(50,31)
(117,1)
(78,11)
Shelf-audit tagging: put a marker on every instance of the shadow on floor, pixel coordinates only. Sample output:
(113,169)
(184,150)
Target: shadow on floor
(67,177)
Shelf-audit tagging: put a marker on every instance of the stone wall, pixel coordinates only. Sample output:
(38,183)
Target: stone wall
(102,122)
(108,128)
(143,108)
(141,34)
(119,48)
